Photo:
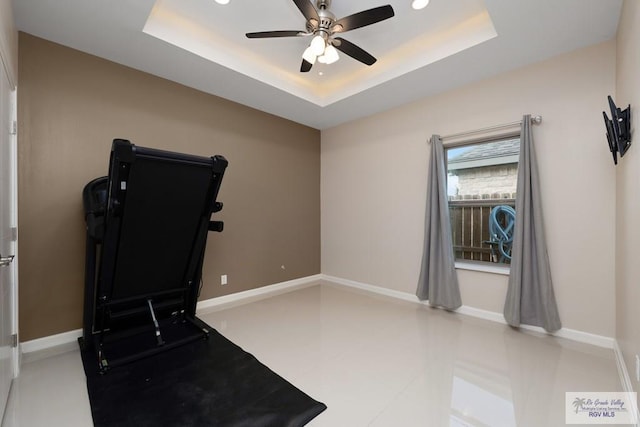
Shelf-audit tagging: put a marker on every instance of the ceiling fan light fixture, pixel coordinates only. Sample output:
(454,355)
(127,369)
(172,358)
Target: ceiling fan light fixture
(419,4)
(318,45)
(309,56)
(330,55)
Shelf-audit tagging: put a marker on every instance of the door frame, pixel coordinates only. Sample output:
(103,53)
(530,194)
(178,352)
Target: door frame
(13,140)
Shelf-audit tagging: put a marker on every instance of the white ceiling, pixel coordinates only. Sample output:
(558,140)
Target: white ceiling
(201,44)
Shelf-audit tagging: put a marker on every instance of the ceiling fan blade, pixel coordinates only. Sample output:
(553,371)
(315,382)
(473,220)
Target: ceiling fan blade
(354,51)
(364,18)
(307,9)
(269,34)
(305,67)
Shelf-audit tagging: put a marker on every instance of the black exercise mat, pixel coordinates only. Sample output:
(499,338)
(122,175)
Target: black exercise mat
(205,383)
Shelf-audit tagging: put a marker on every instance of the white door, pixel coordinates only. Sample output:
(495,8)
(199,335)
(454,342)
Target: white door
(7,236)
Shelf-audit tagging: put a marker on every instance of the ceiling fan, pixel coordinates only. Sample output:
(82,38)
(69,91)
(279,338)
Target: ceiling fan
(323,26)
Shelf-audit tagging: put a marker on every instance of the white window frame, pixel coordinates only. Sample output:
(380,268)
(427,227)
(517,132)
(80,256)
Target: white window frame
(476,265)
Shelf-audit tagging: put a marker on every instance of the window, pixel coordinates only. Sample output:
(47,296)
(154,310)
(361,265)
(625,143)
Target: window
(481,185)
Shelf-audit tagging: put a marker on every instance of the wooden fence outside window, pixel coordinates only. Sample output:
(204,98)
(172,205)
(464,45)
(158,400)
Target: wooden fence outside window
(470,227)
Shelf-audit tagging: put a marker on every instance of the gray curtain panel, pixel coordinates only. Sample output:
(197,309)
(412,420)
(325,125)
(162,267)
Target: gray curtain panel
(530,298)
(438,281)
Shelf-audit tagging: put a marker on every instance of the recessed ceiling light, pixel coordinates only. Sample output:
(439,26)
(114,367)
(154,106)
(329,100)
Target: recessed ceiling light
(320,73)
(222,1)
(418,4)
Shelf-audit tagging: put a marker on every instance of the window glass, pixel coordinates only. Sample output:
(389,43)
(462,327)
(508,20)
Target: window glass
(481,185)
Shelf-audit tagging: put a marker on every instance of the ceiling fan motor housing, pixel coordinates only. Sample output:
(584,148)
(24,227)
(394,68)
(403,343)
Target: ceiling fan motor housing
(326,17)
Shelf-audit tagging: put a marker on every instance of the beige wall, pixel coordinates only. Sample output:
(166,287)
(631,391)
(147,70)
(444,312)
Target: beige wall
(374,182)
(628,191)
(71,106)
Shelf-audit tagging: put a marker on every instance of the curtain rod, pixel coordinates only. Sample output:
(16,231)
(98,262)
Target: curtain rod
(535,120)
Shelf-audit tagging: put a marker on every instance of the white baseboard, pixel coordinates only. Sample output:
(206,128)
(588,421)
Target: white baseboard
(49,345)
(68,340)
(572,334)
(405,296)
(263,291)
(65,338)
(622,369)
(625,379)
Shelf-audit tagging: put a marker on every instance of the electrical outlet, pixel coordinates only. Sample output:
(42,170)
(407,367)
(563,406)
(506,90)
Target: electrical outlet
(637,368)
(223,279)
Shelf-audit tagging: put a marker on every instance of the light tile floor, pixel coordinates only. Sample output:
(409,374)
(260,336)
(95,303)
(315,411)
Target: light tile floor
(374,361)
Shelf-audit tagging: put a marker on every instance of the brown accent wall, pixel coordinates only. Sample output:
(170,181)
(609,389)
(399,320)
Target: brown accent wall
(70,107)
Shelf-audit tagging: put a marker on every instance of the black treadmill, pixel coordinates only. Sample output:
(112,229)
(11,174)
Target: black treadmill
(147,226)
